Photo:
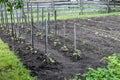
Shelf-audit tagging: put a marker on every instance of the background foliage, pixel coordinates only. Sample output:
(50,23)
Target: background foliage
(12,4)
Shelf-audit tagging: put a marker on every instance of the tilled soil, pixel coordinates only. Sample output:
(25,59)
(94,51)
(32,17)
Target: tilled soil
(96,38)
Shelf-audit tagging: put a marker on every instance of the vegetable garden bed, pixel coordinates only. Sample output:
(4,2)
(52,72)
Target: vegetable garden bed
(95,38)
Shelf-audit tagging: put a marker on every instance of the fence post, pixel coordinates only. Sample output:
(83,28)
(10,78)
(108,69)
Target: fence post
(14,22)
(114,3)
(55,16)
(17,16)
(0,15)
(28,11)
(2,18)
(108,6)
(6,17)
(11,15)
(18,24)
(24,16)
(38,13)
(53,5)
(81,5)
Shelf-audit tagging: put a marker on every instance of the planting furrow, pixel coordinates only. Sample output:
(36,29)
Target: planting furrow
(58,57)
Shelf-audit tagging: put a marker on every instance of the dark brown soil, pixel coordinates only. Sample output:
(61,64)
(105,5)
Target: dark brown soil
(96,38)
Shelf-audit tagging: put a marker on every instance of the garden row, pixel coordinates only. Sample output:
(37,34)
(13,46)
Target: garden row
(75,44)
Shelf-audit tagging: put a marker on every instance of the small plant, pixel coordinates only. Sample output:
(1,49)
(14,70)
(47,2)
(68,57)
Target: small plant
(28,44)
(50,36)
(12,38)
(64,48)
(29,47)
(6,31)
(49,58)
(57,42)
(96,33)
(21,40)
(9,32)
(3,28)
(65,78)
(76,77)
(28,29)
(35,51)
(22,27)
(77,52)
(38,34)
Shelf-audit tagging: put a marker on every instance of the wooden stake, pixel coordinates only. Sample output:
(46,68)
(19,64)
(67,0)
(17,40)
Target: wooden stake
(64,31)
(32,29)
(75,36)
(42,19)
(48,21)
(46,37)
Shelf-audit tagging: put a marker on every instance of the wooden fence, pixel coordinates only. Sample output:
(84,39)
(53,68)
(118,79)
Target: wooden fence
(61,10)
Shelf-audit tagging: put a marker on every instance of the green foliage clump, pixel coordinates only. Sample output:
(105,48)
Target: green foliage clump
(10,66)
(112,72)
(12,4)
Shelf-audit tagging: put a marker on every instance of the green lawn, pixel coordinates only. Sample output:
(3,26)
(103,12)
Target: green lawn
(88,15)
(11,67)
(68,16)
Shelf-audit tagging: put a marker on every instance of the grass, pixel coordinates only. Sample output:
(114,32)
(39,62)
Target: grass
(88,15)
(71,16)
(11,67)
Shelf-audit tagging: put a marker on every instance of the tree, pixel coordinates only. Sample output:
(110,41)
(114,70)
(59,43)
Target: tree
(12,4)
